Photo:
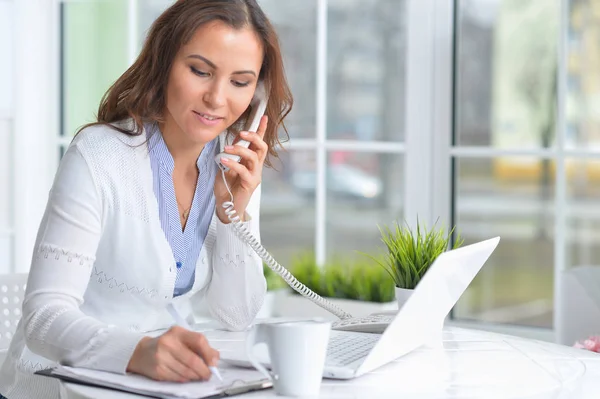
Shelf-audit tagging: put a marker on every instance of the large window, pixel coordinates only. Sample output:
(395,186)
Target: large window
(525,150)
(506,68)
(339,178)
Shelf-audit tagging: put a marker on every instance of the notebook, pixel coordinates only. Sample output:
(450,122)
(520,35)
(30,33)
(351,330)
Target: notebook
(235,381)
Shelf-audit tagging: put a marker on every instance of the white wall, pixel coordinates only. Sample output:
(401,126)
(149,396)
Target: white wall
(6,114)
(28,123)
(35,124)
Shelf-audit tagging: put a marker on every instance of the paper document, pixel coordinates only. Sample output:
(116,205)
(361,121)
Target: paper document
(235,381)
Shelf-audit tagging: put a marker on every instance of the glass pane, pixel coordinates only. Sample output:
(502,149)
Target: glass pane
(583,238)
(583,79)
(512,198)
(94,54)
(366,70)
(148,11)
(295,23)
(363,191)
(287,211)
(506,73)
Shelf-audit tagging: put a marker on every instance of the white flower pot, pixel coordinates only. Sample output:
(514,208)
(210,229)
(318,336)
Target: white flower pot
(402,295)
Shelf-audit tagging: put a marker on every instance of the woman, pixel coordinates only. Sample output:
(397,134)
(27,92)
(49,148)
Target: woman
(134,218)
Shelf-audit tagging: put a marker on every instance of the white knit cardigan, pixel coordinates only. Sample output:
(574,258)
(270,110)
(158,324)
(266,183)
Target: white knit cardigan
(102,270)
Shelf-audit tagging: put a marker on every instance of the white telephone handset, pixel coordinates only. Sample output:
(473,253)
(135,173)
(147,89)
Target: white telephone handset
(258,106)
(374,323)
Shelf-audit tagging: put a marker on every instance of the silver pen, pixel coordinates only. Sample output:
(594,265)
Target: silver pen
(183,323)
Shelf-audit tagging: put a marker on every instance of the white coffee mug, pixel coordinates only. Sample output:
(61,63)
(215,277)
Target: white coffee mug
(297,352)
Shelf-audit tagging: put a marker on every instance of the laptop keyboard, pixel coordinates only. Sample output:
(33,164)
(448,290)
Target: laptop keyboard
(346,348)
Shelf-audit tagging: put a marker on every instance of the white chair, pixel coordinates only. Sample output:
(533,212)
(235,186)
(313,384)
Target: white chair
(12,291)
(579,310)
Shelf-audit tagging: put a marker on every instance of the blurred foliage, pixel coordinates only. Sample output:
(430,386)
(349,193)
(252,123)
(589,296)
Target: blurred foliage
(340,278)
(274,282)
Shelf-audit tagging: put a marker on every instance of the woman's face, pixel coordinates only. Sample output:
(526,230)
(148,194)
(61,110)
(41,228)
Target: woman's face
(212,81)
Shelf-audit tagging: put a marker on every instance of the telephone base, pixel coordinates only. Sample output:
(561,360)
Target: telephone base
(375,324)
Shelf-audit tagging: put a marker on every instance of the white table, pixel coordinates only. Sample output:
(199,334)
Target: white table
(471,364)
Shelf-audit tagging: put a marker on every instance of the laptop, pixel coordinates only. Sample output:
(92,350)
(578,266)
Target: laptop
(421,319)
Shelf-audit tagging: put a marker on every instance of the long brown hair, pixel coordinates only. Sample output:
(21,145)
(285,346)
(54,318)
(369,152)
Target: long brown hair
(140,93)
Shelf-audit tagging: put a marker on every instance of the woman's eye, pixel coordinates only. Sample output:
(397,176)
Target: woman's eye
(198,72)
(239,84)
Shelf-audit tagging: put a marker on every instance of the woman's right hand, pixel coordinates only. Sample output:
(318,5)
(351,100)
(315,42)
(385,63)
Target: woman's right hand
(178,355)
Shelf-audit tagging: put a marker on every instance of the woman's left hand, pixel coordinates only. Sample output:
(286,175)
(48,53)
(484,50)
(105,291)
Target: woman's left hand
(242,177)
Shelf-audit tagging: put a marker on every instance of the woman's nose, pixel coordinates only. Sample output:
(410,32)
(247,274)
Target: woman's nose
(214,97)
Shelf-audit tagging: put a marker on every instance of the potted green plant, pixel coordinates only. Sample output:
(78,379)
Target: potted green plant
(358,286)
(409,254)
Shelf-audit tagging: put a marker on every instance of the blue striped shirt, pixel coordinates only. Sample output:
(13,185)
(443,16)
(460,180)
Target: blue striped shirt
(186,244)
